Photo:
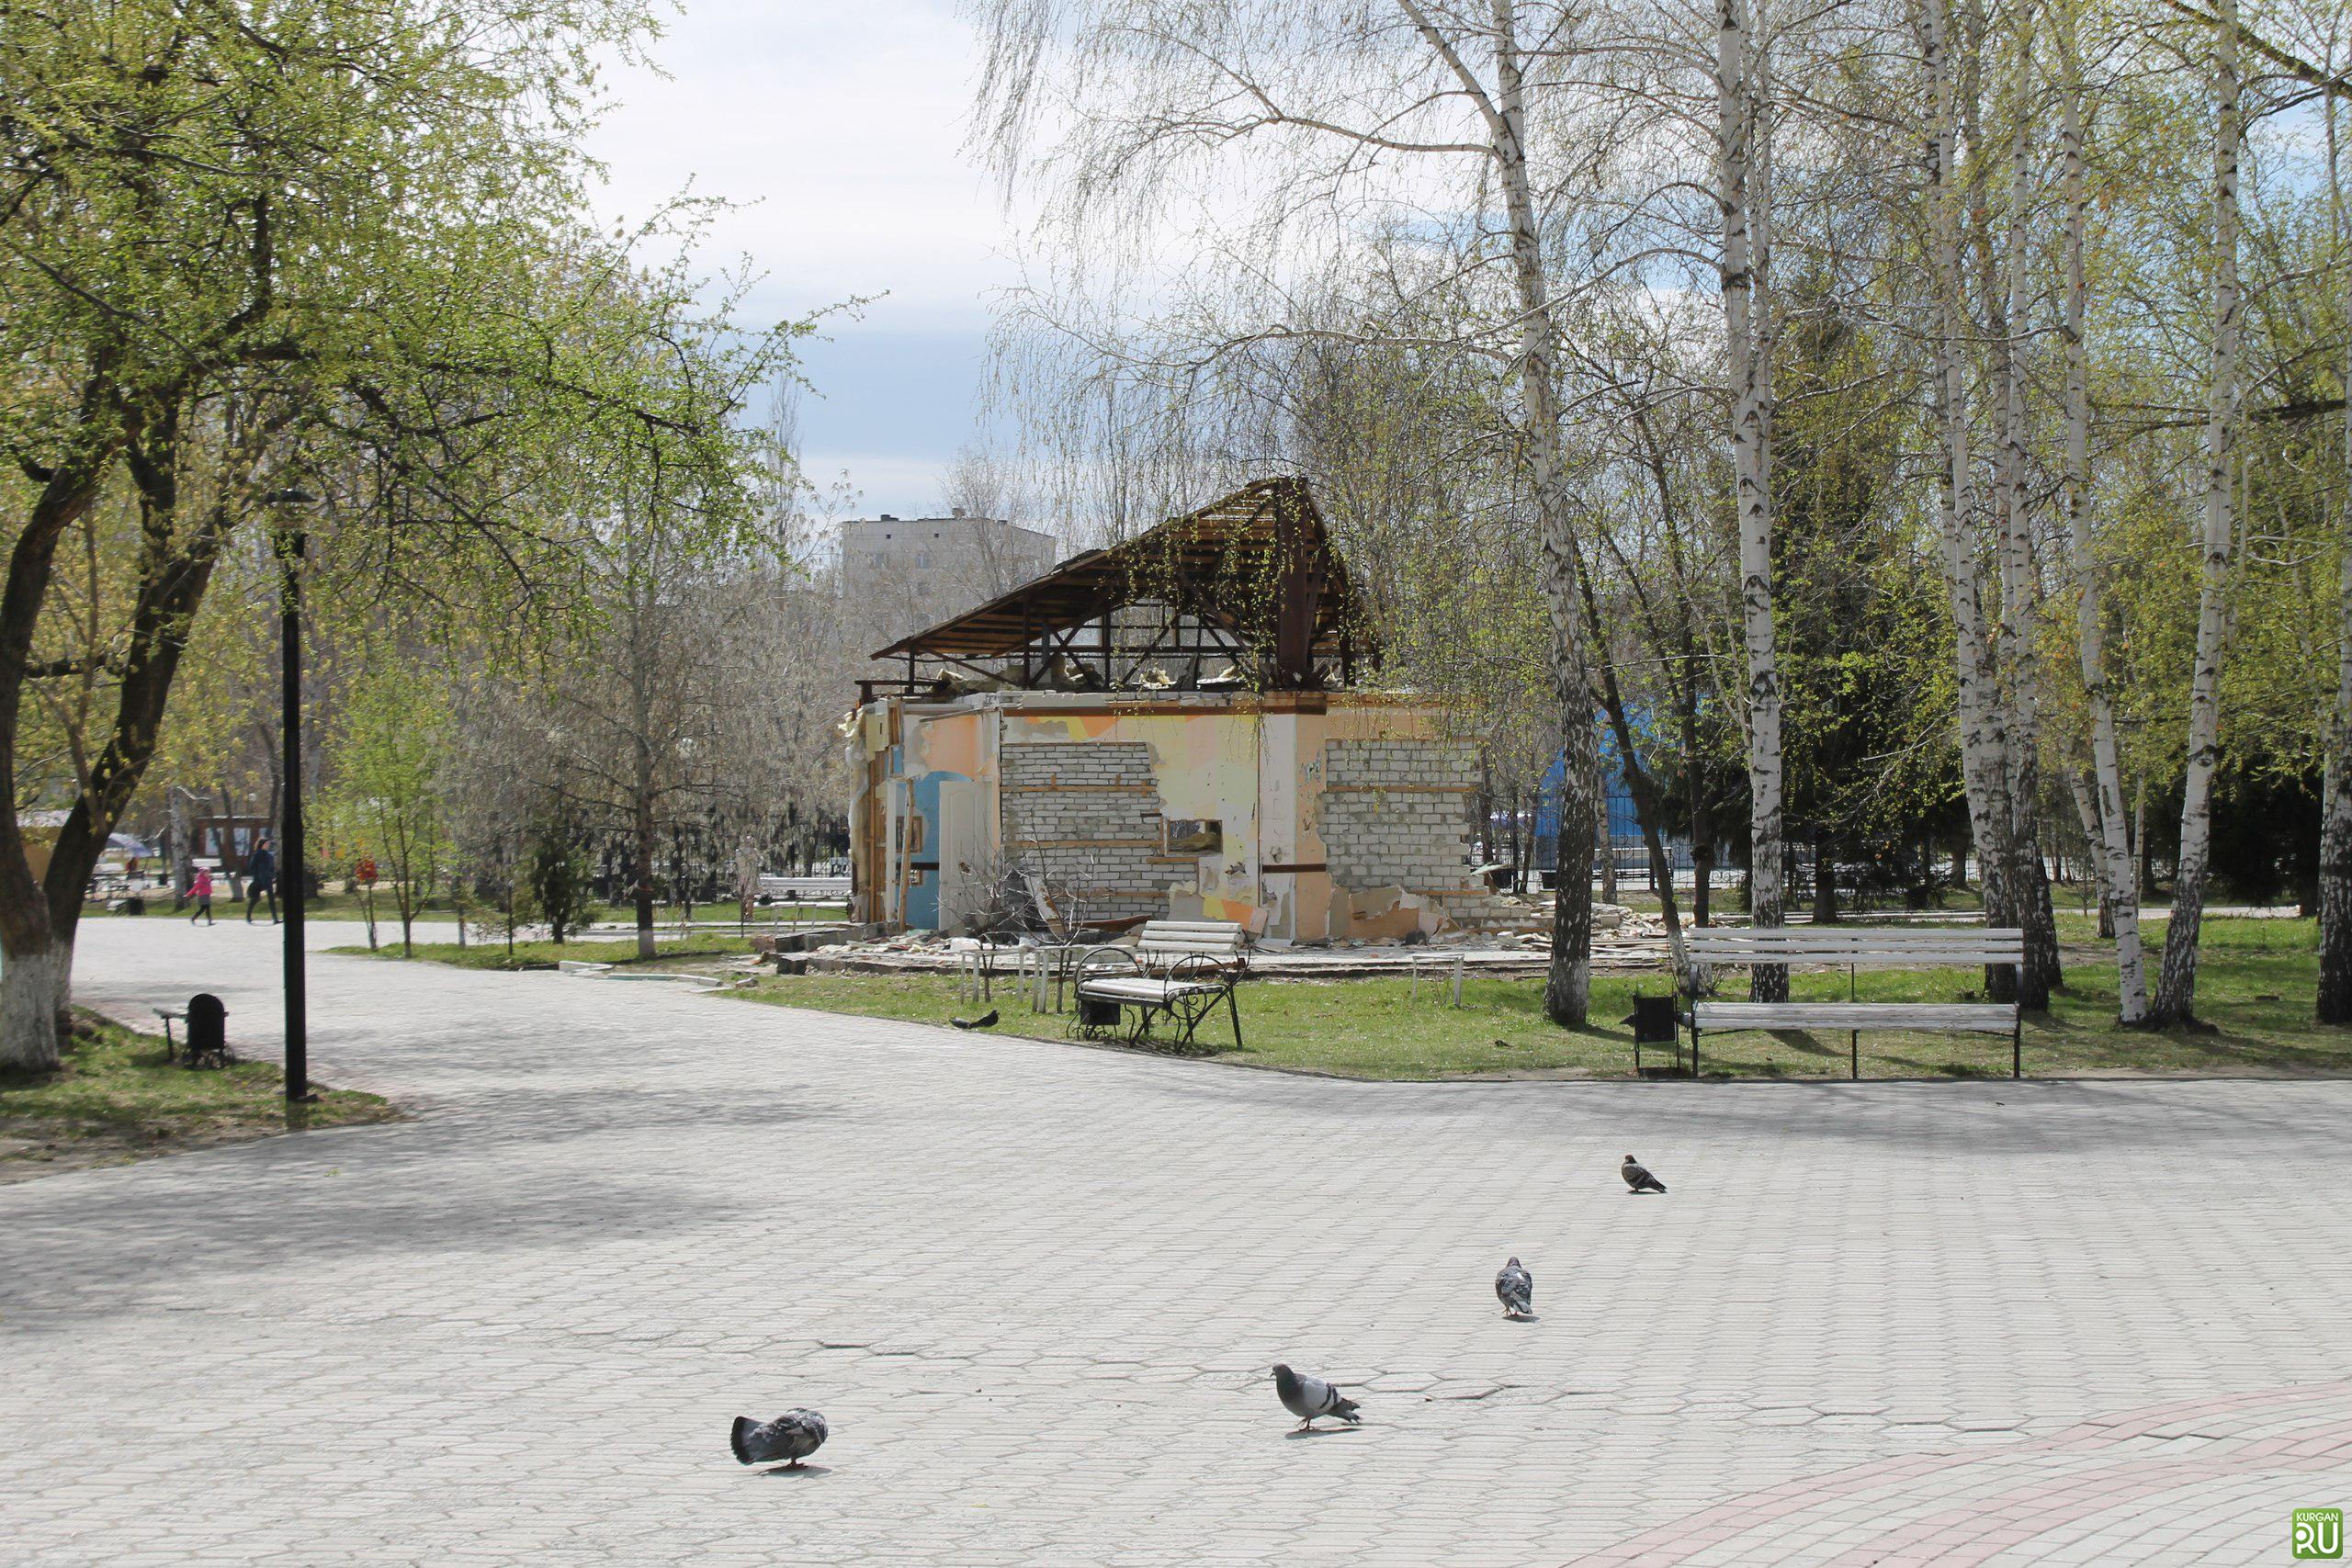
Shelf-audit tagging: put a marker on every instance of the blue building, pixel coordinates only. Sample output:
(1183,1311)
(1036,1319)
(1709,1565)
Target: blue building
(1624,836)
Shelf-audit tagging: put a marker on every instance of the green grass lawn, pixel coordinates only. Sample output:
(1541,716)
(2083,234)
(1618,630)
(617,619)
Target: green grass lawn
(2255,986)
(115,1099)
(548,954)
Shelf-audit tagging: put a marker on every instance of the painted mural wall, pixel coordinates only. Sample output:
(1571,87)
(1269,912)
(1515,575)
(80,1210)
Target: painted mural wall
(1201,807)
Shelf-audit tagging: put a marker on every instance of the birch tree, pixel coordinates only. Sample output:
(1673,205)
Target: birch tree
(2177,985)
(2021,585)
(2104,819)
(2309,56)
(1567,987)
(1984,740)
(2333,1000)
(1745,250)
(1331,94)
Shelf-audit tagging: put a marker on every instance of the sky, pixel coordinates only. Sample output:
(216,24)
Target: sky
(840,125)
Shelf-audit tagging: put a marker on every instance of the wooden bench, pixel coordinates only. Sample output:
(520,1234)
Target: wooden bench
(1856,949)
(1179,968)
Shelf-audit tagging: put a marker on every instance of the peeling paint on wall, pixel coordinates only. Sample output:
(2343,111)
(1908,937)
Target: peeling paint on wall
(1081,792)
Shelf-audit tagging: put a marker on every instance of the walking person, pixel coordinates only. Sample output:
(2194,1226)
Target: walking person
(201,890)
(261,876)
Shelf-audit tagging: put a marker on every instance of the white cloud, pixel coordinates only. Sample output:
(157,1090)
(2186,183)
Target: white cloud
(841,127)
(844,125)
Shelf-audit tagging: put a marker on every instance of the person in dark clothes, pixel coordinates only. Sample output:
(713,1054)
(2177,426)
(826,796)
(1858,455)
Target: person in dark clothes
(261,876)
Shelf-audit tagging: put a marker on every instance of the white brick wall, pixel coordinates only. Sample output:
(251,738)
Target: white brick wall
(1398,812)
(1058,791)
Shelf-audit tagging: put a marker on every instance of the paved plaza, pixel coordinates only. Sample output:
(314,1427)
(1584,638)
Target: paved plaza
(1035,1288)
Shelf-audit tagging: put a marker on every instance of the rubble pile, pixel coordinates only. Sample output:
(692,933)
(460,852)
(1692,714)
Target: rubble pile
(1521,940)
(1612,924)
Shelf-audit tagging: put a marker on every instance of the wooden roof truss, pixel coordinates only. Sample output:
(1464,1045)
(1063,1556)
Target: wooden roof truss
(1244,594)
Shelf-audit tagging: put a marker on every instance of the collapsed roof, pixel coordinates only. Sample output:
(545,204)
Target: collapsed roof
(1246,593)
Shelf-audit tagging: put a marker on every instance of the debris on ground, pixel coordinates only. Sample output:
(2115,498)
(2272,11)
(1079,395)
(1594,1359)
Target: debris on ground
(1514,937)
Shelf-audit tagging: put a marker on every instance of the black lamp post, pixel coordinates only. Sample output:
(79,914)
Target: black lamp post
(291,873)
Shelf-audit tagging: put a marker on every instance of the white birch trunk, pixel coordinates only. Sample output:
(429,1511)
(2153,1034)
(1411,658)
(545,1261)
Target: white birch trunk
(2177,986)
(2111,839)
(1751,376)
(32,995)
(1983,748)
(1568,992)
(2020,587)
(2082,788)
(2335,997)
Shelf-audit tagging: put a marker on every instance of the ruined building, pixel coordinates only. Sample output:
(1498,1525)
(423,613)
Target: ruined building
(1166,728)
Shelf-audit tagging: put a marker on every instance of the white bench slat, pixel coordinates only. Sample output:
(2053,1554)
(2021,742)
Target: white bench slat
(1920,955)
(1860,933)
(1139,989)
(1776,949)
(1863,936)
(1866,943)
(1166,940)
(1849,961)
(1874,956)
(1988,1018)
(1961,955)
(1874,940)
(1857,933)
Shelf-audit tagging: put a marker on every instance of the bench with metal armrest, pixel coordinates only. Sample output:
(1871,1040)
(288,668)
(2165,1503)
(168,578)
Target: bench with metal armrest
(1177,969)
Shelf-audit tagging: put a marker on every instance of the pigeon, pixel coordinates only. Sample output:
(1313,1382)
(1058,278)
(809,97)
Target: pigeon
(1307,1397)
(1637,1179)
(1515,1288)
(986,1021)
(791,1437)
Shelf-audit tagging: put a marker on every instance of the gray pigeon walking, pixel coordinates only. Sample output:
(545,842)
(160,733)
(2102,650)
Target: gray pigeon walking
(1637,1179)
(1515,1288)
(1307,1397)
(791,1437)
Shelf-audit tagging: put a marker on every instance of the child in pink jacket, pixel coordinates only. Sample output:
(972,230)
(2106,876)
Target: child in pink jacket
(201,890)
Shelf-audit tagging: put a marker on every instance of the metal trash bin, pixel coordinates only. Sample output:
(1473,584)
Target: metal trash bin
(1653,1020)
(1655,1024)
(208,1031)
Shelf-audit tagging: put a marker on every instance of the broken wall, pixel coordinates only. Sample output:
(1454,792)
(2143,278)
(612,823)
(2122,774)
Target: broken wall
(1399,812)
(1127,774)
(1303,817)
(1085,817)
